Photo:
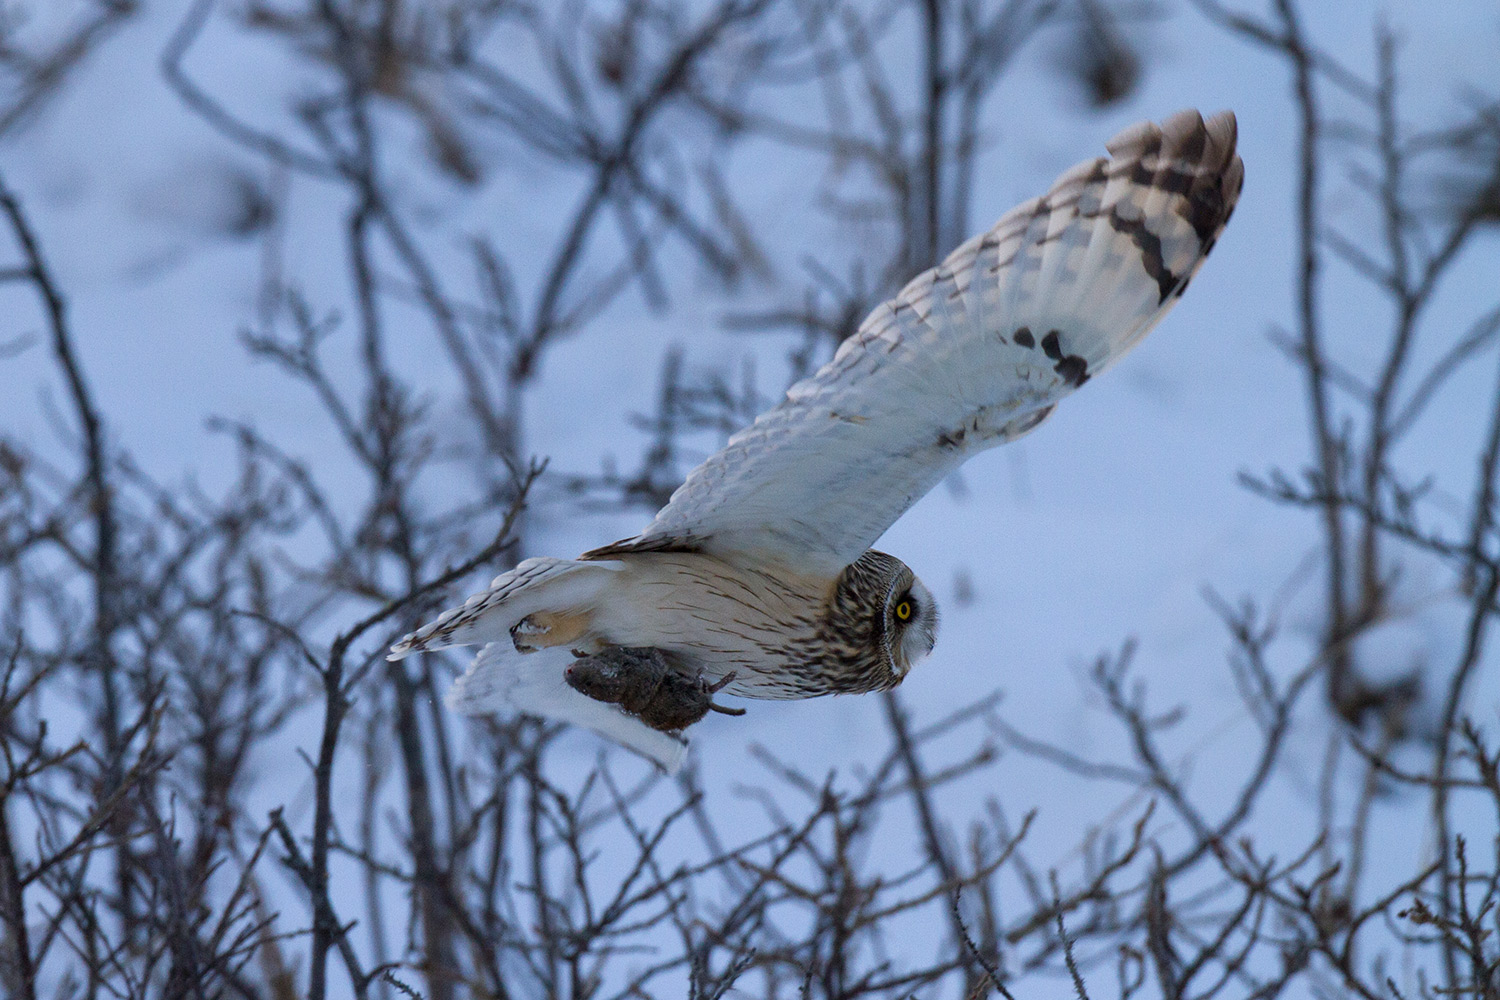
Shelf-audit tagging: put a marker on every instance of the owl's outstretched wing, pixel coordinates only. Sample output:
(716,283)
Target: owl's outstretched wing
(970,354)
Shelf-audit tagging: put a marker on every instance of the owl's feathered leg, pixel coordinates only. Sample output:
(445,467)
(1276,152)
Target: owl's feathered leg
(540,603)
(549,628)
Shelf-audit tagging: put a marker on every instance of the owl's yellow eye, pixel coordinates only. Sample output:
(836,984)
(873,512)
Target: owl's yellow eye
(903,611)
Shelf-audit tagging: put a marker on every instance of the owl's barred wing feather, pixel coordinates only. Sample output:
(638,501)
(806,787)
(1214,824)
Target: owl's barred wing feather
(970,354)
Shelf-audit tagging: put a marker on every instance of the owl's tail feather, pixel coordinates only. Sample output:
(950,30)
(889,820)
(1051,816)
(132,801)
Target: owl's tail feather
(558,592)
(501,678)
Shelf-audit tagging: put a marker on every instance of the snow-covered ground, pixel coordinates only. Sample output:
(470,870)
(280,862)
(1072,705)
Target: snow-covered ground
(1106,524)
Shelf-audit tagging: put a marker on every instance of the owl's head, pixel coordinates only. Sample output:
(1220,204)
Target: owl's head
(885,618)
(911,620)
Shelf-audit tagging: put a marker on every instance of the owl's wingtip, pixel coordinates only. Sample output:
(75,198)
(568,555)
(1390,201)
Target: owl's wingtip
(1224,124)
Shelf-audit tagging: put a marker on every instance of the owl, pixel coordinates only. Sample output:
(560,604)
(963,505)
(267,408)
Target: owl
(757,578)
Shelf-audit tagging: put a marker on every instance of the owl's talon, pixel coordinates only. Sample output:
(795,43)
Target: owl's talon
(523,630)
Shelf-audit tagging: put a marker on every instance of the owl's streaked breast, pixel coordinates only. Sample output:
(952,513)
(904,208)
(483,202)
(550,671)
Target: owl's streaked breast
(720,616)
(782,634)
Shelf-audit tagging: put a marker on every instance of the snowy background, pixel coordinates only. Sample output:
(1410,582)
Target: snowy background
(1104,527)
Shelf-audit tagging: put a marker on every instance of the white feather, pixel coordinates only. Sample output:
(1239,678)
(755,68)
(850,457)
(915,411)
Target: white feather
(501,678)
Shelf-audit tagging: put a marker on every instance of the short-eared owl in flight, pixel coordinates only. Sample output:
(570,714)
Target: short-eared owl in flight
(758,577)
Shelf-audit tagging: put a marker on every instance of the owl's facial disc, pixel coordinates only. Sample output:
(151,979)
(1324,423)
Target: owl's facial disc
(911,623)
